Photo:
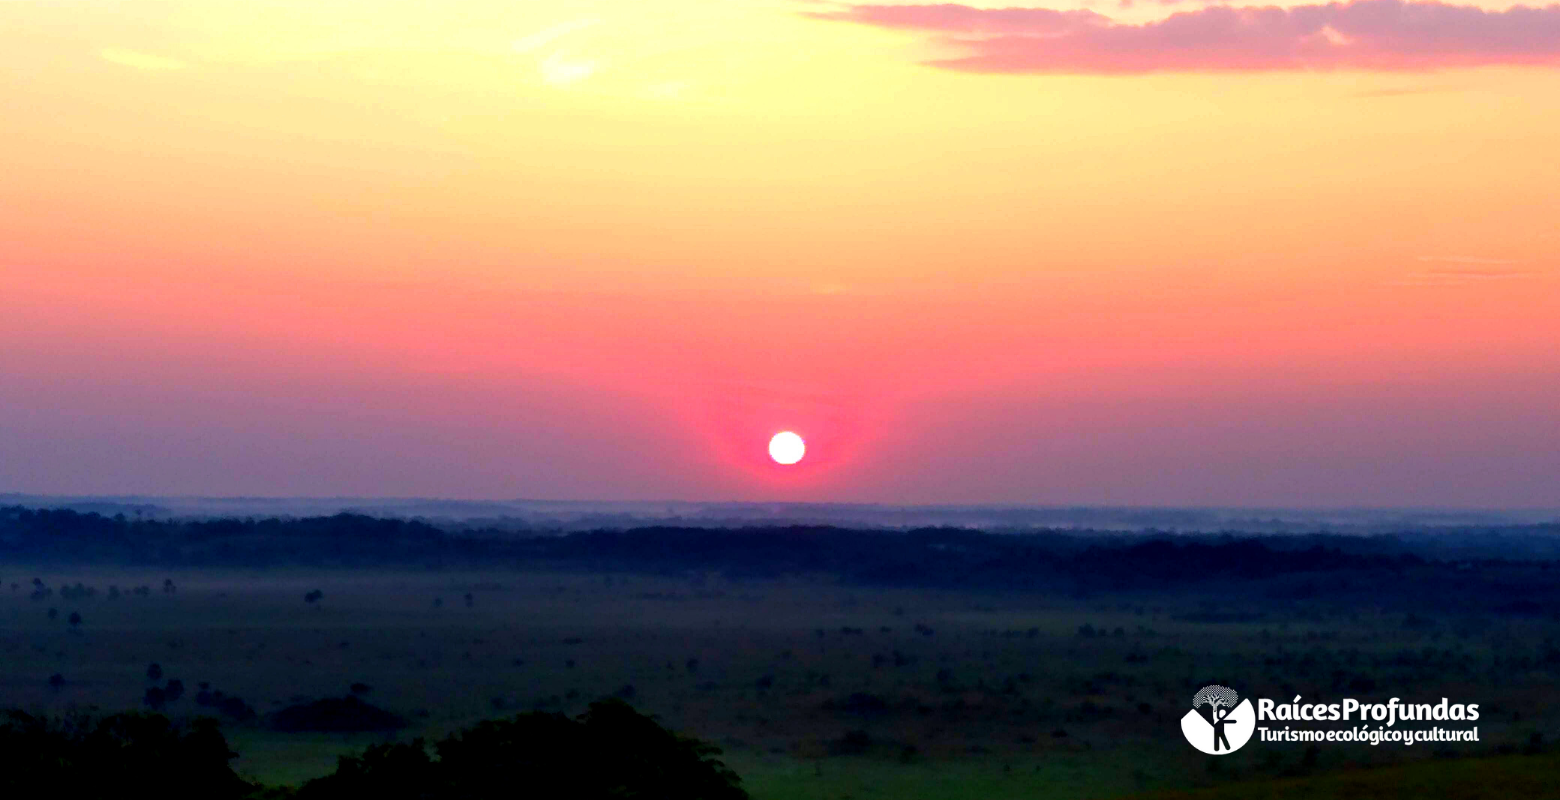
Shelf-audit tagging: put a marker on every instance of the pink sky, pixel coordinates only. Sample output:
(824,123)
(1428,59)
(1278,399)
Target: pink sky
(1145,253)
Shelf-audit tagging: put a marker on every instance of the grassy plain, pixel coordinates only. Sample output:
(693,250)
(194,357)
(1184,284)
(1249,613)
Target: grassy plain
(815,689)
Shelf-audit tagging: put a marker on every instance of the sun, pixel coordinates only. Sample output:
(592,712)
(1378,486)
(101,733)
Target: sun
(787,448)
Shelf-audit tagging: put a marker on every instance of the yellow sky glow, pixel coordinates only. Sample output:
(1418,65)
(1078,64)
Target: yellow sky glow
(615,190)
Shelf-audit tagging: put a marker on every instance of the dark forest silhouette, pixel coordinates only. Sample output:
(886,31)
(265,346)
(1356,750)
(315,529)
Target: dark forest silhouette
(1499,570)
(610,751)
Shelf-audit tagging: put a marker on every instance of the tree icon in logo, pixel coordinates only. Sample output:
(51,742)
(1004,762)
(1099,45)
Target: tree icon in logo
(1215,697)
(1219,722)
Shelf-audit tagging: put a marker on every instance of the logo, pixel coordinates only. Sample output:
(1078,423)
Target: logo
(1219,722)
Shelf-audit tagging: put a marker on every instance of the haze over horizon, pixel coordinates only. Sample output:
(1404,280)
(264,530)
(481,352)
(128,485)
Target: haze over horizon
(1184,254)
(543,516)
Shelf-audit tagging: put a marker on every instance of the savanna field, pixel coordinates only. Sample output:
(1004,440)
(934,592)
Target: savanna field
(813,686)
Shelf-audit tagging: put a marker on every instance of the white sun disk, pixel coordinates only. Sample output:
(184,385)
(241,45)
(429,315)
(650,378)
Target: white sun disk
(787,448)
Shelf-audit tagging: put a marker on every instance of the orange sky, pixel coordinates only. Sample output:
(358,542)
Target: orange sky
(605,249)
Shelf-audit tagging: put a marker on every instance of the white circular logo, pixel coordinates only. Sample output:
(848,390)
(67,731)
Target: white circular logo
(1219,722)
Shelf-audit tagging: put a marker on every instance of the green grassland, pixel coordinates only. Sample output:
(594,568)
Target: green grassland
(814,688)
(1488,778)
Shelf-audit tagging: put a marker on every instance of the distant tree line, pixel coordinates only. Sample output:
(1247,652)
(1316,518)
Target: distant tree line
(1061,561)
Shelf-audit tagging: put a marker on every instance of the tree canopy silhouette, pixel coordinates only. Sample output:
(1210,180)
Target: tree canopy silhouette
(82,756)
(611,751)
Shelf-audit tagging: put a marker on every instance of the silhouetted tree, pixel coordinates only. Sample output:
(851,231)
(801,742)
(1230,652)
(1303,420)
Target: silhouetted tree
(313,597)
(75,619)
(56,681)
(611,751)
(174,690)
(385,772)
(80,756)
(154,671)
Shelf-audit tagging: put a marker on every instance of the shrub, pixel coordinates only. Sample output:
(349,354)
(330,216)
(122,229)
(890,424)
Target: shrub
(335,715)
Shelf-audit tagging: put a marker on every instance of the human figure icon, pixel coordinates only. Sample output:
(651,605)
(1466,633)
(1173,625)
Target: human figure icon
(1221,716)
(1212,707)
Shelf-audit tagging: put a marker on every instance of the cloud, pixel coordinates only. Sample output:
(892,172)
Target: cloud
(1366,34)
(1469,260)
(1403,91)
(954,18)
(1473,273)
(1462,270)
(130,58)
(1441,279)
(1131,3)
(546,36)
(667,90)
(560,69)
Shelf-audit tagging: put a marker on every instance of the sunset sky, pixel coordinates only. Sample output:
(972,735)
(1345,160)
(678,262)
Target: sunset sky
(1126,252)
